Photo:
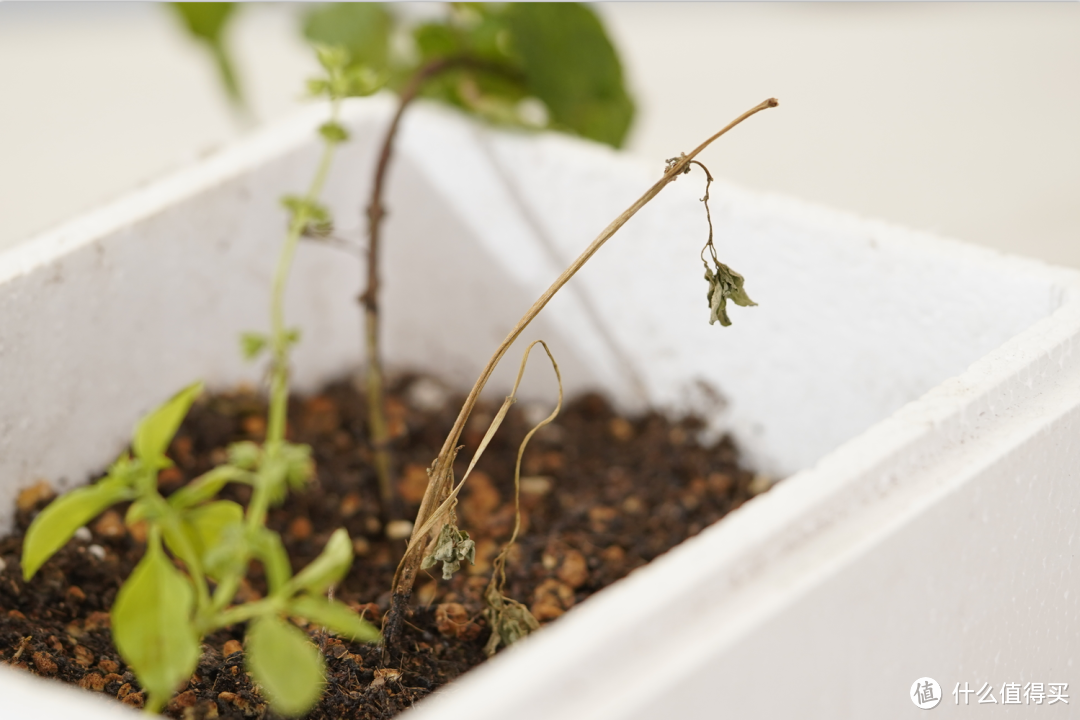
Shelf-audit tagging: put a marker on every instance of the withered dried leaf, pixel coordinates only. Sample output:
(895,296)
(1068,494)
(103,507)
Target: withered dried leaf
(509,620)
(725,284)
(452,546)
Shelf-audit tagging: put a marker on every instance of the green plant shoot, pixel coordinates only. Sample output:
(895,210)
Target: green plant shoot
(162,611)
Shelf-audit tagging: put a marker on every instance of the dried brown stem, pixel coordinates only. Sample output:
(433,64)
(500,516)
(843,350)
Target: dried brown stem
(441,474)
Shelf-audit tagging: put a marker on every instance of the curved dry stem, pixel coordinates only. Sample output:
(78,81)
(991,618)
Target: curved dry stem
(499,565)
(708,215)
(441,474)
(446,507)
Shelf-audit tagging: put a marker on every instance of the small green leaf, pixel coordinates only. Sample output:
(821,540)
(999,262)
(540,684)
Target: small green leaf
(207,486)
(229,556)
(333,58)
(151,623)
(299,467)
(273,474)
(333,132)
(436,40)
(362,29)
(252,344)
(327,569)
(156,430)
(313,212)
(206,22)
(334,616)
(363,80)
(55,525)
(286,664)
(245,454)
(266,545)
(725,284)
(571,65)
(318,86)
(204,528)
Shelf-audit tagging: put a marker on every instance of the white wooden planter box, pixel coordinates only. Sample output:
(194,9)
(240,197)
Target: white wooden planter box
(919,395)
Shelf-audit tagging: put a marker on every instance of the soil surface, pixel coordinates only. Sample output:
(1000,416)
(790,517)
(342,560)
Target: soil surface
(601,495)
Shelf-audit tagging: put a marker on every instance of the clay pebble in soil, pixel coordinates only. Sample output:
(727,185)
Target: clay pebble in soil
(601,496)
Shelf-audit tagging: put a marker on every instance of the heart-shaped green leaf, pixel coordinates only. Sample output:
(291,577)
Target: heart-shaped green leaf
(571,65)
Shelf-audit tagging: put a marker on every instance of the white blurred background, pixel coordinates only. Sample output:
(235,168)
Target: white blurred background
(963,119)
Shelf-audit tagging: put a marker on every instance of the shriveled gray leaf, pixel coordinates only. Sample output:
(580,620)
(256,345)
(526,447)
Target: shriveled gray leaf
(451,548)
(509,620)
(725,284)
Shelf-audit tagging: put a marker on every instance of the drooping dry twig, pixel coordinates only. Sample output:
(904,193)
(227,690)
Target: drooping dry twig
(439,484)
(509,619)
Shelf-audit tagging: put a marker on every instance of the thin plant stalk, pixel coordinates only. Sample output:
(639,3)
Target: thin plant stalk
(375,379)
(439,484)
(280,339)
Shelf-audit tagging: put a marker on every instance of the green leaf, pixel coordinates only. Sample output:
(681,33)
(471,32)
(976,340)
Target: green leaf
(286,664)
(230,555)
(363,29)
(267,546)
(571,65)
(151,623)
(725,284)
(252,344)
(55,525)
(313,212)
(333,58)
(206,22)
(327,569)
(363,80)
(207,486)
(204,528)
(334,616)
(299,468)
(436,40)
(245,454)
(156,430)
(333,132)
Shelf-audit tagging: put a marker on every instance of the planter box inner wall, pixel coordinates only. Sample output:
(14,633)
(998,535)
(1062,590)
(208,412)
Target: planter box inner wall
(110,314)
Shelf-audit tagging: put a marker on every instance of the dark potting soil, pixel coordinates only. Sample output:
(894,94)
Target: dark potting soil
(601,495)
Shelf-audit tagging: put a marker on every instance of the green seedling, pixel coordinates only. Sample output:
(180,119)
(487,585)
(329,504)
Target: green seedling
(199,548)
(524,65)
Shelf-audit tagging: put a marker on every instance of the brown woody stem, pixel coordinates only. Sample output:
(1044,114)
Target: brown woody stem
(439,485)
(378,428)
